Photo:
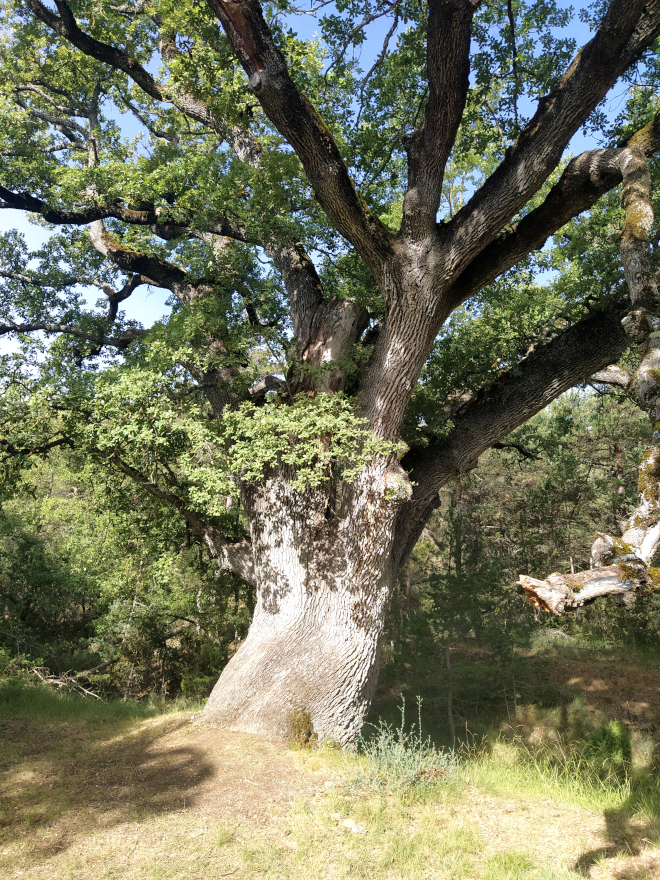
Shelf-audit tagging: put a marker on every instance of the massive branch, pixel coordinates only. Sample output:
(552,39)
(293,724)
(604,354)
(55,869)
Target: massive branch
(584,180)
(294,116)
(627,29)
(487,418)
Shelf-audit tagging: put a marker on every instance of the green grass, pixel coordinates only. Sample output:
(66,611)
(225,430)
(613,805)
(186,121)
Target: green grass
(20,695)
(506,766)
(479,815)
(514,865)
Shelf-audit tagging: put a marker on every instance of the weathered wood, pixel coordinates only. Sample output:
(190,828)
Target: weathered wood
(559,593)
(621,565)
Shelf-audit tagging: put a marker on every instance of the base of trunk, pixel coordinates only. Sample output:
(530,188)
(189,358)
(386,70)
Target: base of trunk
(323,566)
(273,678)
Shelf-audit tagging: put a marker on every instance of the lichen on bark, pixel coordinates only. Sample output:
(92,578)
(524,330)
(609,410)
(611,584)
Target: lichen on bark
(622,565)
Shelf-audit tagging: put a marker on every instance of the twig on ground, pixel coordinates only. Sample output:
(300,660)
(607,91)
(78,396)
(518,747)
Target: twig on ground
(63,681)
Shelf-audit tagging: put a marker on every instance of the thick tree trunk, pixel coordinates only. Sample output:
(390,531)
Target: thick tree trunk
(323,567)
(323,582)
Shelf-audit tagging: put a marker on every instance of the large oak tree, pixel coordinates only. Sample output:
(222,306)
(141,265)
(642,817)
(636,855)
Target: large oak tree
(353,253)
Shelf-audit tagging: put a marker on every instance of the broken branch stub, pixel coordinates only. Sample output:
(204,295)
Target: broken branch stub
(559,592)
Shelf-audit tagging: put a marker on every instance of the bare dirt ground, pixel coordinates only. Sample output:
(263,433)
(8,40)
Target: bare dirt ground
(165,798)
(630,694)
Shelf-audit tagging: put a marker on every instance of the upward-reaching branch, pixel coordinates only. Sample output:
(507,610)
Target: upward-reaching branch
(448,68)
(298,121)
(628,28)
(585,179)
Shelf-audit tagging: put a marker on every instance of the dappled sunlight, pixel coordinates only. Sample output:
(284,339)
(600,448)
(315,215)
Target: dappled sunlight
(91,790)
(66,776)
(160,797)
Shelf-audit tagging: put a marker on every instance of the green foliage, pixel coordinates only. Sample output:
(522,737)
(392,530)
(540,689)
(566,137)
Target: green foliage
(92,571)
(22,694)
(533,514)
(313,438)
(190,177)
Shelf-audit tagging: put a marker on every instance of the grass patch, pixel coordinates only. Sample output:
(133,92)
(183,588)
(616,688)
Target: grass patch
(92,790)
(564,770)
(20,695)
(518,866)
(223,836)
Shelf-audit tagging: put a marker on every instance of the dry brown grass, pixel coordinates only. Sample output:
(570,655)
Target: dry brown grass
(161,798)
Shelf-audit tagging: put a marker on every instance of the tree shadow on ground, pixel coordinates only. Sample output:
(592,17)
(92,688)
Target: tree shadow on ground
(630,830)
(488,691)
(69,778)
(556,701)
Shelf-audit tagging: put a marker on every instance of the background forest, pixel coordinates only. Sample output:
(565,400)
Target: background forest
(97,575)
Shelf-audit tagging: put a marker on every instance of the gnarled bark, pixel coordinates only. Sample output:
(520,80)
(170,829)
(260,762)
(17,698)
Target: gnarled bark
(323,582)
(623,565)
(560,592)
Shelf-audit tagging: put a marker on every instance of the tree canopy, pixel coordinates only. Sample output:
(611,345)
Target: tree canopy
(381,261)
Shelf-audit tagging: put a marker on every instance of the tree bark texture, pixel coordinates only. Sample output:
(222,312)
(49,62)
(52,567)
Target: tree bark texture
(621,566)
(323,577)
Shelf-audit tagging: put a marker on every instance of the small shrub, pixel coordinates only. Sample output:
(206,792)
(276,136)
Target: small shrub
(301,731)
(397,758)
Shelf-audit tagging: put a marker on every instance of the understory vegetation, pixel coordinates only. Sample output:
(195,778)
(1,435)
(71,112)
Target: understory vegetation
(97,580)
(134,790)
